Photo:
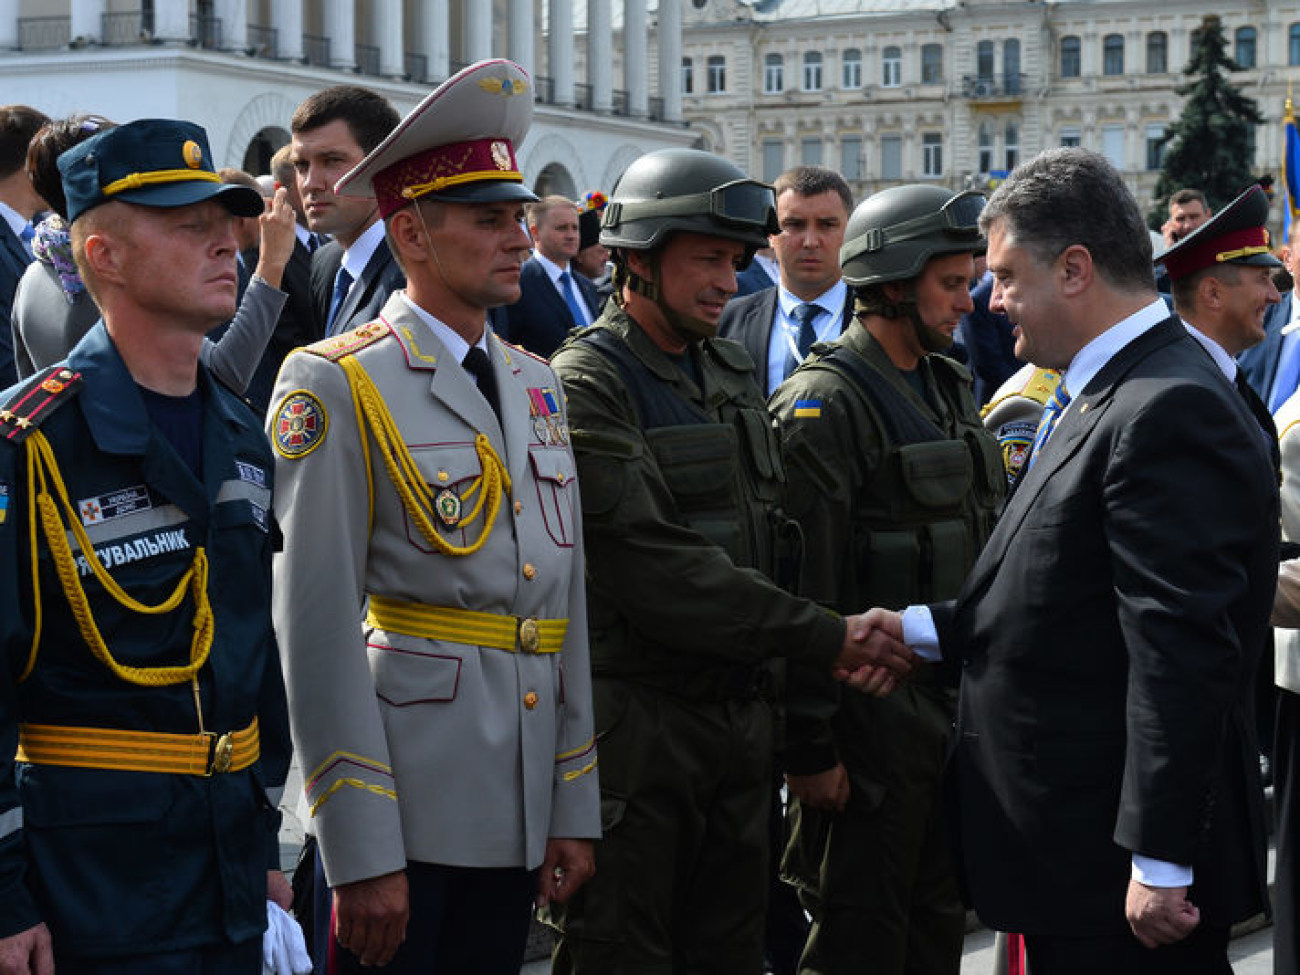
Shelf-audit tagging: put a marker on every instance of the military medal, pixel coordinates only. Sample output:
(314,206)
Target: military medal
(448,504)
(540,429)
(540,408)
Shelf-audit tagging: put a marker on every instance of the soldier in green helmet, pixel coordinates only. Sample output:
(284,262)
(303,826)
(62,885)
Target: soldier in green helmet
(894,482)
(682,481)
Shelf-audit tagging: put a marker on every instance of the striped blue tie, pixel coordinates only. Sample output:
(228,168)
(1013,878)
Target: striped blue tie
(1047,422)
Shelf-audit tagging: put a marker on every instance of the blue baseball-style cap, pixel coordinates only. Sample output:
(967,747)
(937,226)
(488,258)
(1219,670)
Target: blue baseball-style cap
(150,162)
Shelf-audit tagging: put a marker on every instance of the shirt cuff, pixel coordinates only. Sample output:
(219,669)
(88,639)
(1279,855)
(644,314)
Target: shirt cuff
(919,633)
(1158,873)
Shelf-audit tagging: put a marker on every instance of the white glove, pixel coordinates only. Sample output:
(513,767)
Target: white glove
(283,950)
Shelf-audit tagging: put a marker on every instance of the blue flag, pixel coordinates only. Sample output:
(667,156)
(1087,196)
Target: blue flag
(1290,173)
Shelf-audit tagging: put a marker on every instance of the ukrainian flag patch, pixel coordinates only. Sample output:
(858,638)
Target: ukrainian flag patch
(4,502)
(807,408)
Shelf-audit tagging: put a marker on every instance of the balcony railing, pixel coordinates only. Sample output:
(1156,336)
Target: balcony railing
(130,27)
(263,42)
(44,33)
(417,68)
(205,32)
(979,88)
(316,50)
(368,59)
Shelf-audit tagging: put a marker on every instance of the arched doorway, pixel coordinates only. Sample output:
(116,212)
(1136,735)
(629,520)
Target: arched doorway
(555,180)
(257,157)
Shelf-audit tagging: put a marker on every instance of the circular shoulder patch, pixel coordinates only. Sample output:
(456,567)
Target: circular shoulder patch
(300,425)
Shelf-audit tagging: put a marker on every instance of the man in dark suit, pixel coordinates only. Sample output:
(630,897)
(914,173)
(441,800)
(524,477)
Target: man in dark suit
(352,277)
(1104,773)
(554,298)
(1273,366)
(761,274)
(19,202)
(989,344)
(812,303)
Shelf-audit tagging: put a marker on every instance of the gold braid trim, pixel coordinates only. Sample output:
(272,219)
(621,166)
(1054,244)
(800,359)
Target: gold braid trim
(350,782)
(42,470)
(490,486)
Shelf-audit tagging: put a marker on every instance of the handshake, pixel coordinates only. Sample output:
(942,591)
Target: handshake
(874,656)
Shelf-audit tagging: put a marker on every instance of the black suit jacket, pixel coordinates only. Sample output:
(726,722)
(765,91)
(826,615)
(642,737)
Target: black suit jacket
(1109,635)
(13,262)
(749,319)
(296,327)
(380,278)
(1259,363)
(540,320)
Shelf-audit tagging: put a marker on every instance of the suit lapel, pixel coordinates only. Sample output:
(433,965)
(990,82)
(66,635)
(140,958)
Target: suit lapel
(1072,431)
(365,286)
(13,253)
(766,311)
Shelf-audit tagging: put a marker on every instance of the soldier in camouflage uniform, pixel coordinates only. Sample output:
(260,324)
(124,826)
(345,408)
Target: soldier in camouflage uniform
(894,482)
(681,480)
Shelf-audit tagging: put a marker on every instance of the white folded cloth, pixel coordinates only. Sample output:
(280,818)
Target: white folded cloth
(283,950)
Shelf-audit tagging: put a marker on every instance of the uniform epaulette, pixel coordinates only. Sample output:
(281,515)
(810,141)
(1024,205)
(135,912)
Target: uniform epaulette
(35,400)
(511,347)
(337,347)
(1038,387)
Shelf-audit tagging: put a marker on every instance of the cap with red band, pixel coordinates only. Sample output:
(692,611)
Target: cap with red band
(1234,235)
(458,145)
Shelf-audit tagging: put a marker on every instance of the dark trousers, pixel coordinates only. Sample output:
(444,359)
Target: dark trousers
(244,958)
(1203,952)
(1286,782)
(464,921)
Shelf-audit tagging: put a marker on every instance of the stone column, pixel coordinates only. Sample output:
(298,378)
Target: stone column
(670,58)
(521,47)
(341,29)
(286,19)
(436,38)
(87,19)
(171,20)
(635,78)
(233,18)
(600,55)
(478,30)
(386,31)
(559,47)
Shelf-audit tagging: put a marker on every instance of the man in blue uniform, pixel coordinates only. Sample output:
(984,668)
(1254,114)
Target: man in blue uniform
(139,683)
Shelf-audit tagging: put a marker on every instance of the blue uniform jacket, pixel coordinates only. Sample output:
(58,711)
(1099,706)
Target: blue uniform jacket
(135,862)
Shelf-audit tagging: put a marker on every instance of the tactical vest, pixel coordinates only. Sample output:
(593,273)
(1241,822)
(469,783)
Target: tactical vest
(928,508)
(724,471)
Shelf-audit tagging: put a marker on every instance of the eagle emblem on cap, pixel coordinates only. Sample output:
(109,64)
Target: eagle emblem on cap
(506,86)
(192,154)
(501,155)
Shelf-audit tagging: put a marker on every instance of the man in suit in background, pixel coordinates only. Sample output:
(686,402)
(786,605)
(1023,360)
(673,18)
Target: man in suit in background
(352,277)
(1273,366)
(761,274)
(779,325)
(554,298)
(297,325)
(1109,632)
(989,344)
(19,202)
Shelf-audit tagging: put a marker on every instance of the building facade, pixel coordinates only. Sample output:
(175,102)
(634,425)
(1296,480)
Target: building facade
(891,91)
(240,67)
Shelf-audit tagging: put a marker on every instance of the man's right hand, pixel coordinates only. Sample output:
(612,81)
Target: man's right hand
(827,790)
(29,952)
(874,640)
(370,917)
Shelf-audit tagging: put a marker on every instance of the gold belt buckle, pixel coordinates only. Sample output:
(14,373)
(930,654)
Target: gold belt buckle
(530,635)
(223,752)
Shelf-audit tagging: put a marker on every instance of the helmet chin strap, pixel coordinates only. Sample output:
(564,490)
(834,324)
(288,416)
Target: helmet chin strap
(687,327)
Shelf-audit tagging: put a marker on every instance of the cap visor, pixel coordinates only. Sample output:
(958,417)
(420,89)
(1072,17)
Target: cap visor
(489,191)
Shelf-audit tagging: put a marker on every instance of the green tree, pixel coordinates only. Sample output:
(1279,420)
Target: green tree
(1208,147)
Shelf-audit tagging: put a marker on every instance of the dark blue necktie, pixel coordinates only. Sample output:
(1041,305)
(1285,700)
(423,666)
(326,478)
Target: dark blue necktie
(26,234)
(342,285)
(571,299)
(804,315)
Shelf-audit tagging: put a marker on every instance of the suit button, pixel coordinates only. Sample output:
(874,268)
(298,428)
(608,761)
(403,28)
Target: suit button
(529,571)
(443,477)
(519,506)
(530,700)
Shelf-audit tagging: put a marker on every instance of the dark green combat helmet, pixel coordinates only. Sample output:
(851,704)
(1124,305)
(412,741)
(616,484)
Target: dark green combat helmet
(892,234)
(691,190)
(682,190)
